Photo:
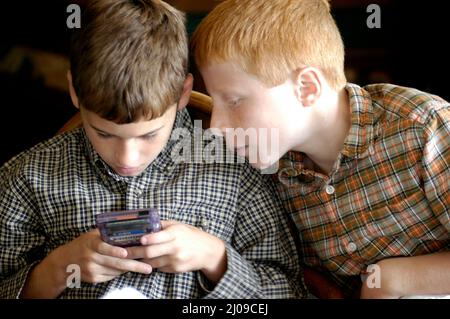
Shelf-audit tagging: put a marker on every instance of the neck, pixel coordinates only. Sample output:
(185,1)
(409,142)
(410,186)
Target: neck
(330,124)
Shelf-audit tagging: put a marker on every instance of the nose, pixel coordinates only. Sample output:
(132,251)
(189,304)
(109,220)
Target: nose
(127,154)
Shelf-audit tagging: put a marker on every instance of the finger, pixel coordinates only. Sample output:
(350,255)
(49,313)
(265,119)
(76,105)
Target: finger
(126,265)
(111,272)
(167,223)
(160,237)
(94,231)
(103,248)
(158,263)
(109,250)
(150,251)
(95,272)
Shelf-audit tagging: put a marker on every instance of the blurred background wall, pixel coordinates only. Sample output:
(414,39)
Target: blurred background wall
(409,49)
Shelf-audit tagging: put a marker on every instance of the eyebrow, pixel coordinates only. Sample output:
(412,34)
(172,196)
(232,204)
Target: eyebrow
(113,135)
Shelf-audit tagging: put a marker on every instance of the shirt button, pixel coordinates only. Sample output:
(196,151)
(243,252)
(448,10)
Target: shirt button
(351,248)
(128,275)
(330,190)
(138,192)
(205,223)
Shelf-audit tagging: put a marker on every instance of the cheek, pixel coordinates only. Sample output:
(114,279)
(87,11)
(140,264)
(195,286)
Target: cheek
(101,146)
(152,148)
(246,116)
(264,115)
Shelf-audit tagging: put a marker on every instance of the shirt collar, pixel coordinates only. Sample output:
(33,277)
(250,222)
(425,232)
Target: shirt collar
(294,166)
(163,161)
(361,131)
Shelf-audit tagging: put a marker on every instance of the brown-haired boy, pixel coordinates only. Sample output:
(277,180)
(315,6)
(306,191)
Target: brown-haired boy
(364,172)
(222,235)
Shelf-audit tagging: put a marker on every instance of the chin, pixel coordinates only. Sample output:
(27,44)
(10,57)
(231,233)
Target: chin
(266,167)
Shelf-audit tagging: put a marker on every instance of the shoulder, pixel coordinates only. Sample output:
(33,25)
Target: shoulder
(227,176)
(48,156)
(208,155)
(236,172)
(398,102)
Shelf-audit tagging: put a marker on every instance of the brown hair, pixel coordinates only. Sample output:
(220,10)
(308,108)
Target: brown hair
(129,59)
(272,38)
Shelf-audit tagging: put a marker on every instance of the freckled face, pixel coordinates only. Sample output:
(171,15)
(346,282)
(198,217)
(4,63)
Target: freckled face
(242,101)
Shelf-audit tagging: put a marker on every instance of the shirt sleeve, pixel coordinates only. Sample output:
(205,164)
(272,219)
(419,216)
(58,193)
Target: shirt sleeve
(21,238)
(262,260)
(436,165)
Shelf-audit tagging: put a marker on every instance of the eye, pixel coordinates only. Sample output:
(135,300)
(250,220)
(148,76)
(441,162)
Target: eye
(149,137)
(103,135)
(234,102)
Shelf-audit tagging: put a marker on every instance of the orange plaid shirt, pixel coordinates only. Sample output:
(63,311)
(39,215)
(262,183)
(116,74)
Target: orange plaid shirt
(388,193)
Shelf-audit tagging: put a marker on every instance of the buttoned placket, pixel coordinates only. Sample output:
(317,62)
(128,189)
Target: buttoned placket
(345,240)
(330,194)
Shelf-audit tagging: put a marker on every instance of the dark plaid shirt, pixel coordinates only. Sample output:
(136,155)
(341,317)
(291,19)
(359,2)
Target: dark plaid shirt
(388,194)
(50,194)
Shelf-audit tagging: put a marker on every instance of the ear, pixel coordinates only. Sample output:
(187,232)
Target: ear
(187,90)
(73,94)
(308,85)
